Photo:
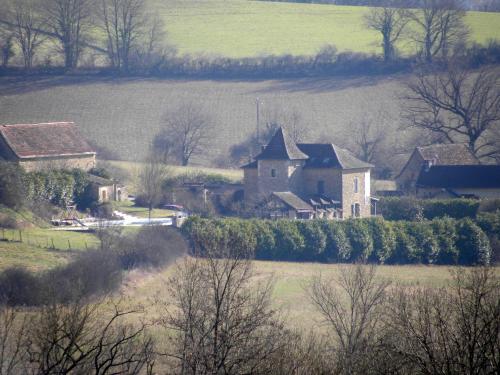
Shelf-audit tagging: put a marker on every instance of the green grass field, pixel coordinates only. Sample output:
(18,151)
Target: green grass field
(242,28)
(41,248)
(131,171)
(291,281)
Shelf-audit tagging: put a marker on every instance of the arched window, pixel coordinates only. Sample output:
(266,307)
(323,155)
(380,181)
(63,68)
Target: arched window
(356,184)
(273,172)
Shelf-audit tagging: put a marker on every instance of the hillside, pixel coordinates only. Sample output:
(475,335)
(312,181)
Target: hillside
(242,28)
(124,114)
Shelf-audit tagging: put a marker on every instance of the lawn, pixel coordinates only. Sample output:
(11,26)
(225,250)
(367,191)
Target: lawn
(129,209)
(40,249)
(131,172)
(242,28)
(291,281)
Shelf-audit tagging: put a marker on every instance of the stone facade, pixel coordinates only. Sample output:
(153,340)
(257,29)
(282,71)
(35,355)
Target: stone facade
(84,162)
(320,175)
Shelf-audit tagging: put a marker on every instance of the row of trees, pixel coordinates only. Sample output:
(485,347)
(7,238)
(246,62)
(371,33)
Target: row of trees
(132,36)
(441,241)
(130,32)
(217,317)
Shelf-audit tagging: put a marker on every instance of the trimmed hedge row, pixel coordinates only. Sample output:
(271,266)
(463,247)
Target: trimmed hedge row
(413,209)
(440,241)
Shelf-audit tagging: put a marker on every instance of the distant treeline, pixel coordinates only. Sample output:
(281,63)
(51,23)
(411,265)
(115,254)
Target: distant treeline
(375,240)
(479,5)
(328,62)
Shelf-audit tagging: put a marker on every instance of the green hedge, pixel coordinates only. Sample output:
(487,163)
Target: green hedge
(413,209)
(440,241)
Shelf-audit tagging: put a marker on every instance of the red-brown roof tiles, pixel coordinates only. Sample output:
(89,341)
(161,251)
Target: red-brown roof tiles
(45,140)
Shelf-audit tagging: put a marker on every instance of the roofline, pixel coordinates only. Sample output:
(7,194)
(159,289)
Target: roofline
(43,155)
(54,155)
(416,149)
(41,123)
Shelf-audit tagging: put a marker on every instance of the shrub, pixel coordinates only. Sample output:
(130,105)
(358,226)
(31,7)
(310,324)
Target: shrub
(314,239)
(445,231)
(401,208)
(265,241)
(338,247)
(93,272)
(426,244)
(152,246)
(455,208)
(384,240)
(413,209)
(289,241)
(12,191)
(18,286)
(360,238)
(405,250)
(473,244)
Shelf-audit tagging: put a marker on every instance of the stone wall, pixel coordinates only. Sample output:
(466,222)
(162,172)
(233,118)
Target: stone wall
(288,176)
(362,197)
(408,177)
(331,177)
(250,184)
(84,162)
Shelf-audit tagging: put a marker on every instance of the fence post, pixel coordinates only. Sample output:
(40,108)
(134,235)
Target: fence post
(69,245)
(52,240)
(20,236)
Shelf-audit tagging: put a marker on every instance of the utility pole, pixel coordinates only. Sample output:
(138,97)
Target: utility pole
(258,121)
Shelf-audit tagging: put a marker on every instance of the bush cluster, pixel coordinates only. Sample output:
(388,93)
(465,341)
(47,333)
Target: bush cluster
(440,241)
(409,208)
(93,272)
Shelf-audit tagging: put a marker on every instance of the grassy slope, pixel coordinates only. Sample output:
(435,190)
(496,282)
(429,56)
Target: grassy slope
(35,251)
(241,28)
(290,281)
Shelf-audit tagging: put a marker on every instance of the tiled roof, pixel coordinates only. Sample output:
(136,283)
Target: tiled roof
(45,140)
(328,155)
(448,154)
(281,147)
(293,201)
(460,176)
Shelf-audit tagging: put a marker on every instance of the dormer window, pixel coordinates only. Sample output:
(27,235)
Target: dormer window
(273,172)
(356,184)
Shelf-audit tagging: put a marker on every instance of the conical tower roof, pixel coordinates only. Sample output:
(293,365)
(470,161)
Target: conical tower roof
(281,147)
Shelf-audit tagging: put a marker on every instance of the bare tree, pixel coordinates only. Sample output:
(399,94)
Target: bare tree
(221,323)
(69,22)
(27,28)
(391,22)
(190,128)
(440,26)
(290,119)
(87,338)
(151,178)
(452,330)
(7,38)
(459,105)
(352,307)
(128,27)
(367,137)
(13,331)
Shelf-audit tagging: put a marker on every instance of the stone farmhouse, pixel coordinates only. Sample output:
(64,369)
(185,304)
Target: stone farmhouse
(459,181)
(307,181)
(435,155)
(55,145)
(448,171)
(48,145)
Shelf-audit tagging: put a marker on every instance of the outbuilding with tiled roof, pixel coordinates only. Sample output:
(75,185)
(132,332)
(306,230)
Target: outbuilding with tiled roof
(57,145)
